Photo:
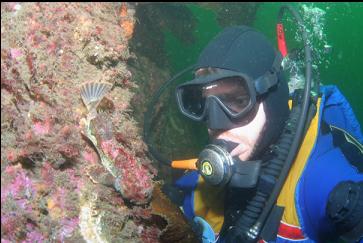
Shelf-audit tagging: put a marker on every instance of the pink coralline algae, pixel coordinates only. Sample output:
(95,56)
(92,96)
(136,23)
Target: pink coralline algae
(20,187)
(54,187)
(68,226)
(134,181)
(44,158)
(41,128)
(15,53)
(33,235)
(17,194)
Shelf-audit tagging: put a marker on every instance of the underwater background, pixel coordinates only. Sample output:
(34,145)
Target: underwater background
(67,176)
(341,25)
(334,30)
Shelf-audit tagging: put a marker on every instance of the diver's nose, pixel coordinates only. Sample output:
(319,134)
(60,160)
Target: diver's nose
(216,117)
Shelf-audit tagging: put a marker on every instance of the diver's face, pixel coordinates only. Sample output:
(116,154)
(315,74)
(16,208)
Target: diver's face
(246,136)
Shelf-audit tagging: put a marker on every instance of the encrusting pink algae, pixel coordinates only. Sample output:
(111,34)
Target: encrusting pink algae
(54,186)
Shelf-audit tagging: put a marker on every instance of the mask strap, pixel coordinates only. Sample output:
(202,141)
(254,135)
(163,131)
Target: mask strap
(269,79)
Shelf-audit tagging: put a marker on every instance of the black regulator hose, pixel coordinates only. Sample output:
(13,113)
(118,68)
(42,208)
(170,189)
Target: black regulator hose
(249,225)
(148,117)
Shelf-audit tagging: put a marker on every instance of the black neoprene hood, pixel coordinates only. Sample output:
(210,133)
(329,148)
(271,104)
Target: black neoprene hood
(243,49)
(240,49)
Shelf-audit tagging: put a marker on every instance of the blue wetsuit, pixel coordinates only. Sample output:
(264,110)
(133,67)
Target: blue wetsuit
(333,153)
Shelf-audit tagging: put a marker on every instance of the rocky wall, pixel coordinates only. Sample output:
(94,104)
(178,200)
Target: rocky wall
(54,187)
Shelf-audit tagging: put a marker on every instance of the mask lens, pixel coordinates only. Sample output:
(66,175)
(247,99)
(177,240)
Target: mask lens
(232,92)
(192,100)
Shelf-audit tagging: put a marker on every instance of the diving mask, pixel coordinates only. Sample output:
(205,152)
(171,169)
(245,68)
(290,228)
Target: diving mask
(225,99)
(230,90)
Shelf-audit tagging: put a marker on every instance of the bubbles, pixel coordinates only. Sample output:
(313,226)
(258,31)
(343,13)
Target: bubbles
(315,19)
(314,22)
(293,69)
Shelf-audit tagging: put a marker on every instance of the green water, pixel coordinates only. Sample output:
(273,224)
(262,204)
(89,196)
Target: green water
(343,30)
(342,66)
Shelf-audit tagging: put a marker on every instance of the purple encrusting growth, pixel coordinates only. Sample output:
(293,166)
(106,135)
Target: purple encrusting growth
(17,193)
(47,168)
(54,187)
(67,228)
(33,235)
(20,188)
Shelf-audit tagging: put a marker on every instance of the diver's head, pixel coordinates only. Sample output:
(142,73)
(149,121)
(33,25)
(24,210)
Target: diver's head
(238,90)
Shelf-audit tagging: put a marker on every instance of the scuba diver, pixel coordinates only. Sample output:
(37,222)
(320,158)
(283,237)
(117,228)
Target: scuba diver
(239,91)
(279,167)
